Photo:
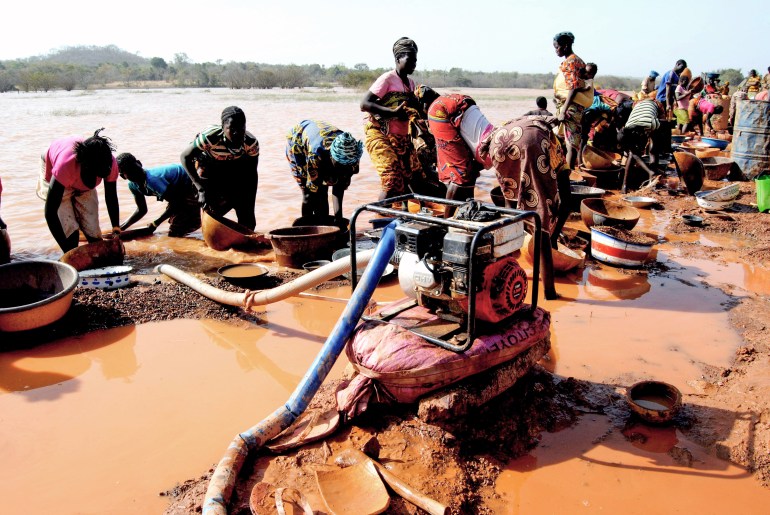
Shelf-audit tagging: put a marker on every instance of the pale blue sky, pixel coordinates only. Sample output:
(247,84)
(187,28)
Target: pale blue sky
(623,37)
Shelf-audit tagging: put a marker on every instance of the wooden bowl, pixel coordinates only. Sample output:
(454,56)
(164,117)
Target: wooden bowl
(716,168)
(564,258)
(597,159)
(692,170)
(597,211)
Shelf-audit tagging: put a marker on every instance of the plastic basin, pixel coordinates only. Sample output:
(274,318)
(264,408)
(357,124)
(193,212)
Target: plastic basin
(721,144)
(619,248)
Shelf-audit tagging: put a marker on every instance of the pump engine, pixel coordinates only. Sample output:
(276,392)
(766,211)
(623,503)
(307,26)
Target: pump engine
(439,267)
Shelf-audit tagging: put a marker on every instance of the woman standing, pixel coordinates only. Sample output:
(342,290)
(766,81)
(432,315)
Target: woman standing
(570,94)
(390,103)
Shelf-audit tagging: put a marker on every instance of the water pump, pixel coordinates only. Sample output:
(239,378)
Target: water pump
(463,269)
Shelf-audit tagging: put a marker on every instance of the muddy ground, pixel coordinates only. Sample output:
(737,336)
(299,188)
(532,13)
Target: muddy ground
(458,464)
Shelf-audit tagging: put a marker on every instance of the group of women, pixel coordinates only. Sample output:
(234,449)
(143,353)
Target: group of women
(527,155)
(532,156)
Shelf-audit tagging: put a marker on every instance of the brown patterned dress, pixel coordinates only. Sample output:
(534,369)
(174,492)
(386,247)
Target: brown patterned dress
(527,156)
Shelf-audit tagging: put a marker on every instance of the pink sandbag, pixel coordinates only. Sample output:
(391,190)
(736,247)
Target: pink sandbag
(403,366)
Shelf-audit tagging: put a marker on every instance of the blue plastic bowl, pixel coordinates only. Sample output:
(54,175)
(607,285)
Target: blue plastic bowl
(721,144)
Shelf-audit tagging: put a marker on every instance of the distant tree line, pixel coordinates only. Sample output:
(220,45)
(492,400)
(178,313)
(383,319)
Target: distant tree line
(91,67)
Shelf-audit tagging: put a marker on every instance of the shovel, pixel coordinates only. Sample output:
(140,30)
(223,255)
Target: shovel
(356,457)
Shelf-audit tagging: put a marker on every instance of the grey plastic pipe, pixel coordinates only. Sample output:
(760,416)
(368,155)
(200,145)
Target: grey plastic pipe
(260,298)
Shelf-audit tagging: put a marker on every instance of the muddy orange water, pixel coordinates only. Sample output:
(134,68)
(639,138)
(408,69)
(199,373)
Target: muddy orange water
(104,422)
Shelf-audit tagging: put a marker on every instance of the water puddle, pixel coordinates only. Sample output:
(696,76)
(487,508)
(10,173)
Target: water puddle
(641,470)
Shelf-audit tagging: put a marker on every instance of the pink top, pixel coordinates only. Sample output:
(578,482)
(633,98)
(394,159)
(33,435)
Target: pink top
(60,163)
(390,82)
(705,107)
(684,102)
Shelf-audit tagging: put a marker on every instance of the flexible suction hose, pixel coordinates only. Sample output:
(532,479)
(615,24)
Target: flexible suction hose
(223,480)
(260,298)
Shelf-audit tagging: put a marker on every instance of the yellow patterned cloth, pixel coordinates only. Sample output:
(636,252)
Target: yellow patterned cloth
(527,157)
(393,155)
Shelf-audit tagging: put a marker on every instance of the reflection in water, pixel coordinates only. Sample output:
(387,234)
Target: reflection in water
(64,360)
(247,353)
(651,439)
(609,283)
(757,279)
(592,467)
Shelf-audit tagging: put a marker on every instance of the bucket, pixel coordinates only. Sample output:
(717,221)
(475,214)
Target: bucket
(751,137)
(763,192)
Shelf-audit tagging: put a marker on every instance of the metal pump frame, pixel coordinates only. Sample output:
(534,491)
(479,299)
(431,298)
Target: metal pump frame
(465,340)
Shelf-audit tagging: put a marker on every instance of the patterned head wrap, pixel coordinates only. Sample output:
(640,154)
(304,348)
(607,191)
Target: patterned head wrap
(423,92)
(654,74)
(346,150)
(562,36)
(233,113)
(404,46)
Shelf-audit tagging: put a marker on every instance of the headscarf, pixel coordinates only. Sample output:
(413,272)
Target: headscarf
(346,150)
(425,93)
(233,113)
(564,35)
(404,46)
(654,74)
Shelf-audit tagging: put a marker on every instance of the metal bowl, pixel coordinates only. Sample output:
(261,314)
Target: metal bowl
(639,201)
(693,220)
(315,265)
(579,193)
(344,253)
(35,293)
(654,401)
(243,275)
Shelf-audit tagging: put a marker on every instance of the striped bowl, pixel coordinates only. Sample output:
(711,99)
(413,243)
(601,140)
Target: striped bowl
(614,251)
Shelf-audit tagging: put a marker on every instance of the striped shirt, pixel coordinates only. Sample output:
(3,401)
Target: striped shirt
(644,114)
(213,143)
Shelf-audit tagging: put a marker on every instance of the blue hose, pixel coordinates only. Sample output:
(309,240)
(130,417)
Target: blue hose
(223,480)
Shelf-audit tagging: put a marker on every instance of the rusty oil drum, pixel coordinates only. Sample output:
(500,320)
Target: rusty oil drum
(751,137)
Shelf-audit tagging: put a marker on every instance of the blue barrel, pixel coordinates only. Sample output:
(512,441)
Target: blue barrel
(751,137)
